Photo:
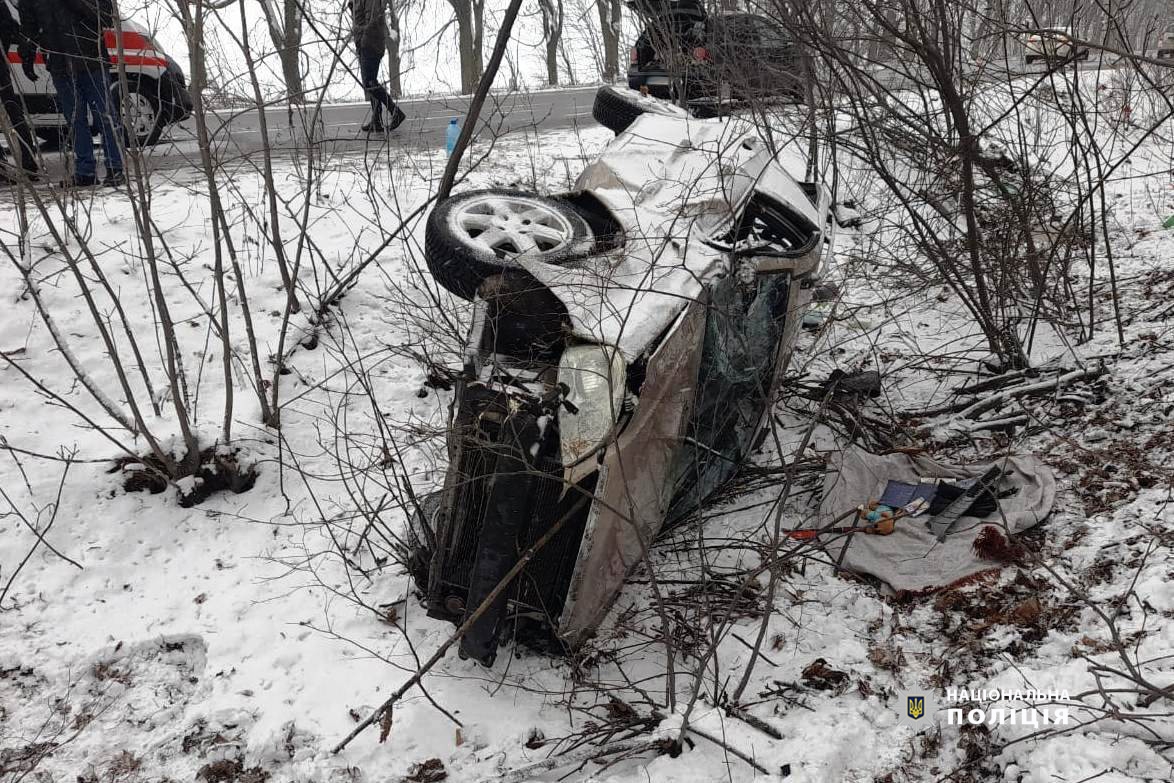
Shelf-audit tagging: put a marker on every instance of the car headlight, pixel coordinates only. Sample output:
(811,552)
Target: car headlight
(595,377)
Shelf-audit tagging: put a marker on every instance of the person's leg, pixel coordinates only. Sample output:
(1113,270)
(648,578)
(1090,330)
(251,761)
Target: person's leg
(369,73)
(14,108)
(381,93)
(78,123)
(378,94)
(369,61)
(95,86)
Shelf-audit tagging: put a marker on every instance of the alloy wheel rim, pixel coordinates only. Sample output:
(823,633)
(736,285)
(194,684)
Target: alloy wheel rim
(510,227)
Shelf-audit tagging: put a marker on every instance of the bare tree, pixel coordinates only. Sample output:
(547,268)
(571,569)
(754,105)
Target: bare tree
(610,18)
(552,33)
(283,18)
(395,9)
(470,16)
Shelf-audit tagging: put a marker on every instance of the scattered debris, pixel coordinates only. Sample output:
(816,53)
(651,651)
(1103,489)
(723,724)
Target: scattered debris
(820,676)
(219,470)
(430,771)
(231,771)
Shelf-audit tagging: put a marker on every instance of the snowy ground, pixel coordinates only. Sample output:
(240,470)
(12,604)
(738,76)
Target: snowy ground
(180,642)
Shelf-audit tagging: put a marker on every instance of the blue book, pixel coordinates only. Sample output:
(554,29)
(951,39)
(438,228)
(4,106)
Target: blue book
(902,493)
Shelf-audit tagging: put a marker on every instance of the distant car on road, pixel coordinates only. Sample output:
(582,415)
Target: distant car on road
(1053,44)
(1166,44)
(685,52)
(157,89)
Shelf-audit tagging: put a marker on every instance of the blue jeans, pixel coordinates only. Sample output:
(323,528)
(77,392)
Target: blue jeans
(79,95)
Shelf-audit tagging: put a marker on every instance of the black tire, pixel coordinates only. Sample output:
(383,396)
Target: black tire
(616,109)
(143,95)
(461,264)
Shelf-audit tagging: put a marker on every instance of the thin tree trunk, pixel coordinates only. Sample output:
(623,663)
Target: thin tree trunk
(285,30)
(463,11)
(552,33)
(478,40)
(610,16)
(394,83)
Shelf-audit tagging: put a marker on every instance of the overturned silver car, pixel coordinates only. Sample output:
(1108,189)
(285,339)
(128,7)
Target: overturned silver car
(627,341)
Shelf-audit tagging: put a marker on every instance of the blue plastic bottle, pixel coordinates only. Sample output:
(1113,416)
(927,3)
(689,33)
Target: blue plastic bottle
(450,135)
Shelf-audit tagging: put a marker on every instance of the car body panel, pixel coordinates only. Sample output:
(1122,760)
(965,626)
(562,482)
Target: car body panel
(634,490)
(672,183)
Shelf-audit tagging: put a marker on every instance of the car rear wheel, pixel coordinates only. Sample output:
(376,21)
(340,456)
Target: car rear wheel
(472,236)
(142,117)
(616,109)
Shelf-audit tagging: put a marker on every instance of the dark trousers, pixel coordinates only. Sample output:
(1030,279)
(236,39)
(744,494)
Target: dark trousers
(369,60)
(79,95)
(14,107)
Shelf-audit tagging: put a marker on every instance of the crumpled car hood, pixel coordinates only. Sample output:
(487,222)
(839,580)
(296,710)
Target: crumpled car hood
(673,183)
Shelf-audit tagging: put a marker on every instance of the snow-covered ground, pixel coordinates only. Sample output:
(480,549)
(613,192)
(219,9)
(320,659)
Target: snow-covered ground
(233,641)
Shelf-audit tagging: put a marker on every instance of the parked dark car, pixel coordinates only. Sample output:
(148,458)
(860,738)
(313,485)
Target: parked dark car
(627,342)
(684,52)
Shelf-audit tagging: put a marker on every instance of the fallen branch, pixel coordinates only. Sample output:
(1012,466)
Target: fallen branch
(750,720)
(1029,389)
(658,741)
(1002,424)
(970,408)
(732,750)
(669,734)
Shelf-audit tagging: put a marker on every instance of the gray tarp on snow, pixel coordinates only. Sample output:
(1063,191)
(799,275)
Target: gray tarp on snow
(911,558)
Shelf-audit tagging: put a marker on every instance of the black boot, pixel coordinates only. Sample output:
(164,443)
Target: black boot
(396,118)
(376,123)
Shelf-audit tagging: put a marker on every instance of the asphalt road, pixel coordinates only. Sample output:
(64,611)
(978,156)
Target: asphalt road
(238,132)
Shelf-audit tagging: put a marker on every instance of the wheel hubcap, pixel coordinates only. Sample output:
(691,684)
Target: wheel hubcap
(141,119)
(510,227)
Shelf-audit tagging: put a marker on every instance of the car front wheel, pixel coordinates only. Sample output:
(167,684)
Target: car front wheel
(473,236)
(142,117)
